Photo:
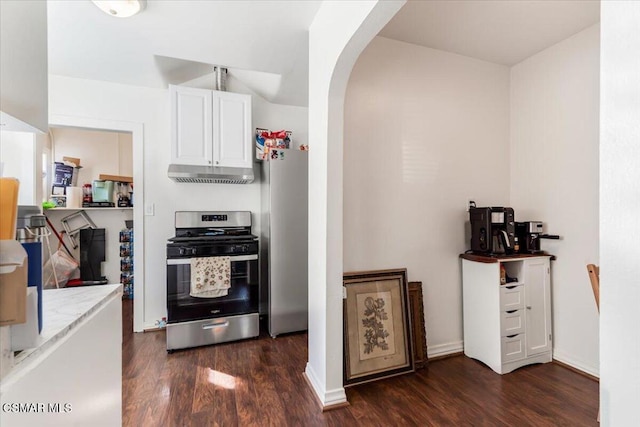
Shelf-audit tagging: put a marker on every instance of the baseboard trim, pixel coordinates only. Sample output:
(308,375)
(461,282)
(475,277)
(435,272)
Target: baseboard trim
(446,356)
(576,370)
(328,400)
(440,351)
(151,327)
(576,365)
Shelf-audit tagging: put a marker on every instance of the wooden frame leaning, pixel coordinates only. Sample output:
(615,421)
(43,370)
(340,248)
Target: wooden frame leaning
(377,326)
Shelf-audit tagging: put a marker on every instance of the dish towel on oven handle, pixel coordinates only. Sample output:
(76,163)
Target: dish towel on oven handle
(210,277)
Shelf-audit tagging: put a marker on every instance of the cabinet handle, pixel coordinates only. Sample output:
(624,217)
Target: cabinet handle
(511,336)
(528,307)
(511,311)
(511,287)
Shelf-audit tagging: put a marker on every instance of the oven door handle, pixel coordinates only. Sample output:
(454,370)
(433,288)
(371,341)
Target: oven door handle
(216,325)
(180,261)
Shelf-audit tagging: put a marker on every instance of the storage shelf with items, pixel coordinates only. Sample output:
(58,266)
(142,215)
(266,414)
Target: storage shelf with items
(126,261)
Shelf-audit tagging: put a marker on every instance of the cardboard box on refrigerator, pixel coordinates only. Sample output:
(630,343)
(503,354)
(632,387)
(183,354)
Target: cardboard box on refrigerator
(13,283)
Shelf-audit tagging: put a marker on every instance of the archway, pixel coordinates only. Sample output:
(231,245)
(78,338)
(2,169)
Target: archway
(337,36)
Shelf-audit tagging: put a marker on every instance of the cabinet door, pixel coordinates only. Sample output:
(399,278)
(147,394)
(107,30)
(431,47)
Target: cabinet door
(191,132)
(232,143)
(537,306)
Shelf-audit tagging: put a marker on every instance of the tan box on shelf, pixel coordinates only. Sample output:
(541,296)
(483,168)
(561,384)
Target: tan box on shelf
(115,178)
(73,160)
(13,283)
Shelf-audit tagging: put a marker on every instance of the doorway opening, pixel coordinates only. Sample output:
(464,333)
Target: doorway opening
(128,156)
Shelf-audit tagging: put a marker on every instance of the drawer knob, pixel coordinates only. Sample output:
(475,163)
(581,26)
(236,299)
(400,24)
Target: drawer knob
(528,307)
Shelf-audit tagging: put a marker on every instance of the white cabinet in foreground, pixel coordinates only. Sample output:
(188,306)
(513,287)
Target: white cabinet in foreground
(74,376)
(210,128)
(508,325)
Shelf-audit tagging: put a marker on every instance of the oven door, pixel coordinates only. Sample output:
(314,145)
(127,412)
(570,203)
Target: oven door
(243,296)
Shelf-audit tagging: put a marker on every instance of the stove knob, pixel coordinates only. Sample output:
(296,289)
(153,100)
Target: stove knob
(193,251)
(182,251)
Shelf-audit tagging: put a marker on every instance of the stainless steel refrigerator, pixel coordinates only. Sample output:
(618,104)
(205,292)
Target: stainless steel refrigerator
(283,243)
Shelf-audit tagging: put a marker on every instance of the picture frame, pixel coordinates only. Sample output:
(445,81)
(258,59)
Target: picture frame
(418,330)
(377,326)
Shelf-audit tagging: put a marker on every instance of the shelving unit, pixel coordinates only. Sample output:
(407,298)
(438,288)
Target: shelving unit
(126,262)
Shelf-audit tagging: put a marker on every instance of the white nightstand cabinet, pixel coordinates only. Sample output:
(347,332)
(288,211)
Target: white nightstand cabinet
(507,326)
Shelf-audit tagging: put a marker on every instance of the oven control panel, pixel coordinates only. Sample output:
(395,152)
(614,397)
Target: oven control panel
(239,249)
(200,250)
(215,218)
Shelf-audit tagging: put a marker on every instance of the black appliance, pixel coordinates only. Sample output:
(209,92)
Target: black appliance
(529,234)
(92,254)
(492,230)
(194,321)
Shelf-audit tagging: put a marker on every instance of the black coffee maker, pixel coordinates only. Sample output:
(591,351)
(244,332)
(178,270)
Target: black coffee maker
(492,230)
(529,234)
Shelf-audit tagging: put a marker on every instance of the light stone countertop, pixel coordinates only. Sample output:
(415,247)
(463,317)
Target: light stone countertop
(62,311)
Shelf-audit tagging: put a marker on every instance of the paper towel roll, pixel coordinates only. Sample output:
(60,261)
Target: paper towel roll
(74,197)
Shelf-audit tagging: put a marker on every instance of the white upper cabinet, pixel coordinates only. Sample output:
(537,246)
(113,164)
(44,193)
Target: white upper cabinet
(210,128)
(191,126)
(232,129)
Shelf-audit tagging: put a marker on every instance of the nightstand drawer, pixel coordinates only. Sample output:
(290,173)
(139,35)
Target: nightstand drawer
(511,322)
(513,348)
(511,297)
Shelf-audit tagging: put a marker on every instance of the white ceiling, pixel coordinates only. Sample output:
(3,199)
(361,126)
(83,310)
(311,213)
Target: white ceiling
(264,44)
(500,31)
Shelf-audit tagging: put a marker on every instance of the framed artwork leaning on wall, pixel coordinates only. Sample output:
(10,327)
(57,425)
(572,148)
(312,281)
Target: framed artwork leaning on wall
(377,325)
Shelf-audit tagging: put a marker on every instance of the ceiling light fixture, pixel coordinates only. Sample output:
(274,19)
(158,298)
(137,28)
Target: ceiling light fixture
(121,8)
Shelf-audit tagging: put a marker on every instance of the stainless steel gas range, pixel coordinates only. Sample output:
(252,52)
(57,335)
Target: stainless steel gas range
(212,279)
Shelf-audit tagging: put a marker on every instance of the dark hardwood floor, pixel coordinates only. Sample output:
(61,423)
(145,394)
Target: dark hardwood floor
(259,382)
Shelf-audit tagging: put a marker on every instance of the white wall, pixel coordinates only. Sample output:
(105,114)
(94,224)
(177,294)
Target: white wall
(425,130)
(23,62)
(554,179)
(619,207)
(99,152)
(17,157)
(150,107)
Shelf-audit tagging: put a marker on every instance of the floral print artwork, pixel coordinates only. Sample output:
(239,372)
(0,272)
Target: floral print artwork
(210,277)
(375,321)
(375,333)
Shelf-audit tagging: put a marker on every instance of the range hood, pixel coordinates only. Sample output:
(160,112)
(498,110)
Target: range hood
(210,174)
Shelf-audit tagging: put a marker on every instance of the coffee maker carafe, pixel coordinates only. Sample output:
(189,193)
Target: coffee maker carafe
(492,230)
